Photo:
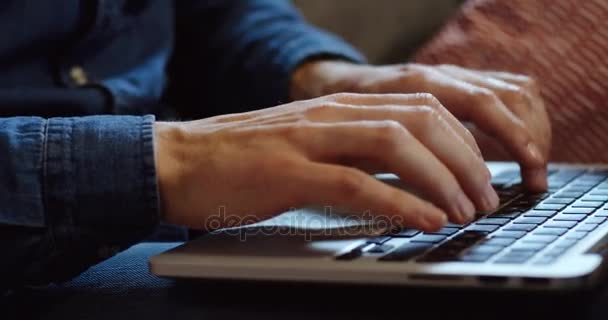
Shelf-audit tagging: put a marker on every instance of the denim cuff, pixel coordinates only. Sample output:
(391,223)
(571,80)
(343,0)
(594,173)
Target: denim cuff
(100,186)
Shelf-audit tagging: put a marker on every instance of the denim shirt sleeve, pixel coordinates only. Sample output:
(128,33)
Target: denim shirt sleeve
(73,192)
(243,53)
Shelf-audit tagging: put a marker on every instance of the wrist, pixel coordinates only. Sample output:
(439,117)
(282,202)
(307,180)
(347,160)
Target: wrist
(322,77)
(166,140)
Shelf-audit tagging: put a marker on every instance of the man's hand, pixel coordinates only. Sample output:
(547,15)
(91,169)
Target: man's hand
(503,107)
(320,152)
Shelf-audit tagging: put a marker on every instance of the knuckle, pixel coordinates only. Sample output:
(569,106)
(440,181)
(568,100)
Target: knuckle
(484,96)
(428,115)
(428,99)
(341,97)
(522,137)
(295,130)
(517,94)
(415,72)
(519,100)
(447,65)
(428,119)
(349,181)
(390,134)
(320,110)
(530,83)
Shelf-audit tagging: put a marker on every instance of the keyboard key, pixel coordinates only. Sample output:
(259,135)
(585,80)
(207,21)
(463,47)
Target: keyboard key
(469,235)
(596,220)
(520,227)
(541,214)
(601,213)
(552,207)
(509,234)
(539,238)
(586,227)
(594,198)
(570,217)
(446,231)
(378,240)
(379,248)
(530,220)
(568,195)
(601,193)
(493,221)
(536,196)
(430,238)
(353,253)
(528,246)
(550,231)
(580,187)
(602,186)
(406,252)
(500,242)
(454,225)
(509,214)
(445,251)
(576,235)
(463,241)
(560,224)
(566,243)
(407,233)
(483,249)
(587,204)
(459,243)
(558,201)
(578,211)
(516,257)
(475,258)
(555,252)
(481,228)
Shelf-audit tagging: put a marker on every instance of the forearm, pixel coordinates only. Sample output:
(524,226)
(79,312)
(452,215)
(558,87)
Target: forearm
(74,191)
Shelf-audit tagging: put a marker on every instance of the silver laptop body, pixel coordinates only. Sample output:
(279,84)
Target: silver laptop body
(550,241)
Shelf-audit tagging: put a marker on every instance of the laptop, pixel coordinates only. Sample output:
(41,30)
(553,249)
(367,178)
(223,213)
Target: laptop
(551,241)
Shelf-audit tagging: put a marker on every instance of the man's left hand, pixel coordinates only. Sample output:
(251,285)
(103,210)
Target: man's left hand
(501,107)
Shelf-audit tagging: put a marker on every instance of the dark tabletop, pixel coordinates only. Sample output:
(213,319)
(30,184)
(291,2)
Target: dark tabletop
(122,288)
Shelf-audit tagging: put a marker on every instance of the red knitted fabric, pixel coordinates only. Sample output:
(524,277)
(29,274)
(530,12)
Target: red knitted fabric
(561,43)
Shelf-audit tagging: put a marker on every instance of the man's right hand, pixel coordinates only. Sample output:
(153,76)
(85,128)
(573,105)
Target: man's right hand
(320,152)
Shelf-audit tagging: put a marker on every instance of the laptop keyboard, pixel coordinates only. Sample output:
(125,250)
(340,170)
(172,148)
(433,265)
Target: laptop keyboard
(527,228)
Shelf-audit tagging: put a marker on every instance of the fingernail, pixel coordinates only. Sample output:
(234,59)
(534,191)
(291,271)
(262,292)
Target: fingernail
(539,179)
(535,153)
(466,209)
(435,221)
(490,199)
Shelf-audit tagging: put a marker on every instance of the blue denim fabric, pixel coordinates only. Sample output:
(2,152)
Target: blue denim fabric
(73,191)
(81,83)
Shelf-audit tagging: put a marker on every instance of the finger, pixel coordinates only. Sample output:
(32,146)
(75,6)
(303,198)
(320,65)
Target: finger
(506,91)
(488,112)
(516,79)
(391,146)
(430,128)
(522,104)
(417,99)
(355,190)
(533,88)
